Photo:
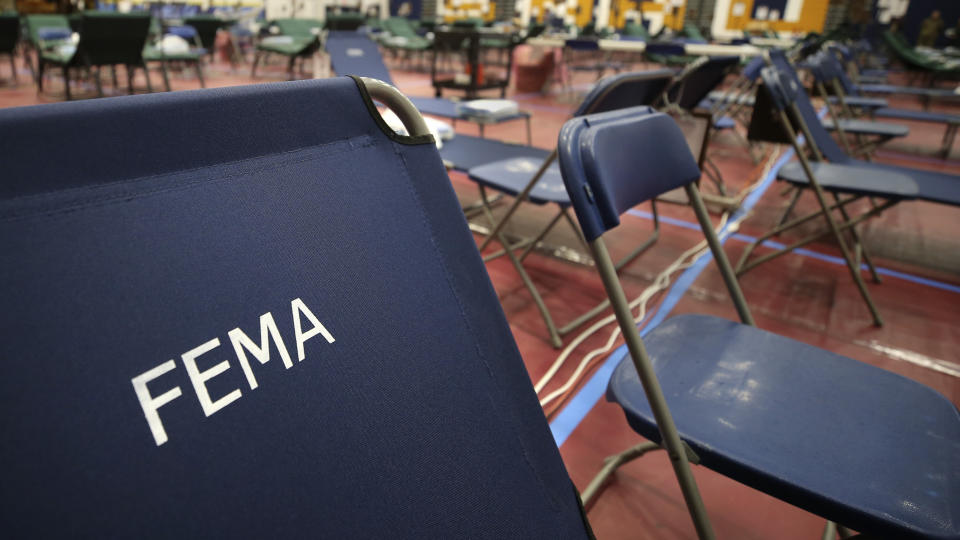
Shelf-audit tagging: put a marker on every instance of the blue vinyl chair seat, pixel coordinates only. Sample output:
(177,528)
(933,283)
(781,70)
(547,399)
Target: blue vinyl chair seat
(414,418)
(908,90)
(465,152)
(853,178)
(865,127)
(862,102)
(511,176)
(749,404)
(724,122)
(918,116)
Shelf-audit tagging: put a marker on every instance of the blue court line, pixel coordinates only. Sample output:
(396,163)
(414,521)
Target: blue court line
(583,401)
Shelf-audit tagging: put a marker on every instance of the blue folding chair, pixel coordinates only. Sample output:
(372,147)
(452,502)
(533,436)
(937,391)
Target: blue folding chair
(354,53)
(535,177)
(209,336)
(829,70)
(788,111)
(746,403)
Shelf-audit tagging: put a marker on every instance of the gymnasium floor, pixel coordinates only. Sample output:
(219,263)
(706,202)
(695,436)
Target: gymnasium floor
(808,296)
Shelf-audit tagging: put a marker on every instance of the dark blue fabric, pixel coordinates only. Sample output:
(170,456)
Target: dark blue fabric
(137,244)
(614,161)
(511,176)
(625,90)
(464,152)
(852,443)
(696,83)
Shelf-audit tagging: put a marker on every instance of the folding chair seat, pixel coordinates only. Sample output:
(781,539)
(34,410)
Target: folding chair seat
(530,177)
(333,384)
(846,179)
(354,53)
(747,403)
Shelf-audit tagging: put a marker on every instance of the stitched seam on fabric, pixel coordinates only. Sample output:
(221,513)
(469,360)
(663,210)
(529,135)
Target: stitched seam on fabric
(463,315)
(78,203)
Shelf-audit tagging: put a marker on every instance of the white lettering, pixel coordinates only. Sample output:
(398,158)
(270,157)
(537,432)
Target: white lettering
(150,404)
(199,378)
(240,341)
(299,307)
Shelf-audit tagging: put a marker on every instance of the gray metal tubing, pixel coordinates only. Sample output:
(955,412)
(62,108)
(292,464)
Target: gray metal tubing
(836,118)
(829,531)
(729,277)
(576,323)
(611,464)
(398,103)
(743,268)
(668,430)
(841,97)
(858,242)
(821,198)
(518,200)
(537,299)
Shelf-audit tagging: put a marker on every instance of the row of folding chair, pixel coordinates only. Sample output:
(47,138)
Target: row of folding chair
(402,407)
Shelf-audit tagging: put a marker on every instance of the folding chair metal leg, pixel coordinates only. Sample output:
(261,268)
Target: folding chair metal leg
(256,61)
(859,248)
(821,198)
(518,200)
(66,81)
(199,66)
(676,449)
(528,283)
(98,83)
(113,75)
(597,309)
(610,465)
(130,79)
(146,78)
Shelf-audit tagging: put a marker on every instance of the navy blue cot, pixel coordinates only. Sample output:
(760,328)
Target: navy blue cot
(209,336)
(354,53)
(862,447)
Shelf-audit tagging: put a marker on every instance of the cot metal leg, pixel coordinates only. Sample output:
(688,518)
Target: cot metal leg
(199,66)
(676,449)
(113,75)
(948,137)
(537,299)
(529,133)
(610,465)
(821,198)
(481,125)
(129,79)
(13,70)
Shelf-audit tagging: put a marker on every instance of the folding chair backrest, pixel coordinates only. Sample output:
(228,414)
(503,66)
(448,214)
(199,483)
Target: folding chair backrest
(9,32)
(788,84)
(625,90)
(279,326)
(207,27)
(619,172)
(353,53)
(112,38)
(699,79)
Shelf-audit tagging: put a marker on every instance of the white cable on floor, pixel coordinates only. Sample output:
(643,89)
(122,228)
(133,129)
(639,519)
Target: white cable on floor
(660,283)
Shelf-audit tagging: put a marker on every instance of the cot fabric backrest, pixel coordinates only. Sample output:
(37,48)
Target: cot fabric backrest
(112,38)
(790,83)
(625,90)
(353,53)
(605,170)
(278,326)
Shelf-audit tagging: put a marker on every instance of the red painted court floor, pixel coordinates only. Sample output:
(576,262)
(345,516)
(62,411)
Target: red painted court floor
(809,297)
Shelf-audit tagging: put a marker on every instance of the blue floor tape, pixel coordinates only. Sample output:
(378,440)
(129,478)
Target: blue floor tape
(583,401)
